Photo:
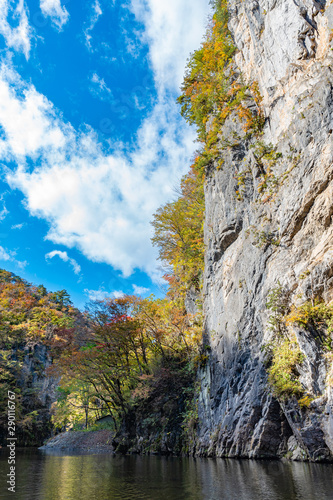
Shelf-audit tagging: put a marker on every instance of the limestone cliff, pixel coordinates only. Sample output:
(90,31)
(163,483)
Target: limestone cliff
(36,391)
(269,225)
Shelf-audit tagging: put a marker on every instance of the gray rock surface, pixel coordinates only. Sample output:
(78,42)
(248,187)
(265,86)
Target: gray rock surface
(257,239)
(84,441)
(34,375)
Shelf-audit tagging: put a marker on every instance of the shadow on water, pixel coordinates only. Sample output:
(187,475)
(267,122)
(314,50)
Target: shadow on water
(69,476)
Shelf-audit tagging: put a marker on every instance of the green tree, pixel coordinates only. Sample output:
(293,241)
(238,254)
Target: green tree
(178,234)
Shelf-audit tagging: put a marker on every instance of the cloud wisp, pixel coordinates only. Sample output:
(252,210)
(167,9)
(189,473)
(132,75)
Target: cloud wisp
(58,14)
(64,256)
(99,89)
(96,14)
(3,209)
(9,256)
(140,290)
(102,294)
(5,255)
(18,33)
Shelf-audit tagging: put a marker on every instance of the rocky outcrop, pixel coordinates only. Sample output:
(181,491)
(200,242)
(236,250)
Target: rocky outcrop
(81,441)
(36,391)
(268,221)
(34,376)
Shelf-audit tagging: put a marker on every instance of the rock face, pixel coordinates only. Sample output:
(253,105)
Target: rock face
(37,393)
(275,226)
(36,361)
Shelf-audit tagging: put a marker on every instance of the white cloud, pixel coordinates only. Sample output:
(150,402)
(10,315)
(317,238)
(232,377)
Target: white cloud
(173,29)
(29,123)
(98,88)
(64,256)
(4,255)
(3,211)
(58,14)
(96,14)
(18,33)
(140,290)
(101,294)
(8,255)
(102,202)
(96,294)
(17,226)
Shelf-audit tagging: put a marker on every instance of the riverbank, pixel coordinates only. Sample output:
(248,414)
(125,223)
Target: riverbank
(81,441)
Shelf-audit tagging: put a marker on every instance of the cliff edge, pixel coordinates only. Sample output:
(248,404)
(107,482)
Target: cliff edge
(268,281)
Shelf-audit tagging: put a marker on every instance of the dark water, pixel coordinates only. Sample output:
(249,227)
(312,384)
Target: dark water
(103,477)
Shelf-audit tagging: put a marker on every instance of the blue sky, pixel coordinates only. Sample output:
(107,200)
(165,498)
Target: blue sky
(91,140)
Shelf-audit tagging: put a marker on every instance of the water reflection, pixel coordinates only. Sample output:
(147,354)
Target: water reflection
(103,477)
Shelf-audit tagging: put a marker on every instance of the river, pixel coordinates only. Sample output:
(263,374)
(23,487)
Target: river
(66,476)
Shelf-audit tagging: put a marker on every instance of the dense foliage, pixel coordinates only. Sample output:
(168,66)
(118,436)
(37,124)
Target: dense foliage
(113,360)
(127,350)
(178,234)
(29,316)
(213,90)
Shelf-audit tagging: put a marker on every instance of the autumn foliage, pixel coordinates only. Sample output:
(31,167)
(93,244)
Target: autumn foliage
(213,89)
(178,234)
(29,317)
(129,343)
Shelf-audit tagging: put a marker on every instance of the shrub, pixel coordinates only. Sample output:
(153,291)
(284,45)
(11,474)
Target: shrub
(283,375)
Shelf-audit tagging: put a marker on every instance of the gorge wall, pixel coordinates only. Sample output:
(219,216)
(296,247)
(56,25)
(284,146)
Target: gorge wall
(269,227)
(35,392)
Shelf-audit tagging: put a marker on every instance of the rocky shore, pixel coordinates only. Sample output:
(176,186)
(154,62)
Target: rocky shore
(93,441)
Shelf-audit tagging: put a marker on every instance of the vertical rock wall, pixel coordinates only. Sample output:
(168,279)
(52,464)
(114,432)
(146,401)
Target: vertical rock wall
(257,237)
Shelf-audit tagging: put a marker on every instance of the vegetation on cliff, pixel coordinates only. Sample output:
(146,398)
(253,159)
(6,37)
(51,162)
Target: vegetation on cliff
(285,355)
(213,89)
(29,316)
(178,234)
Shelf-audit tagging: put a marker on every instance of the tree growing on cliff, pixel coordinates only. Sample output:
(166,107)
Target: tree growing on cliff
(212,90)
(29,316)
(178,234)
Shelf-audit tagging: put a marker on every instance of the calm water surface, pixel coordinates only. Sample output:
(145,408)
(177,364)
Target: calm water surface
(47,476)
